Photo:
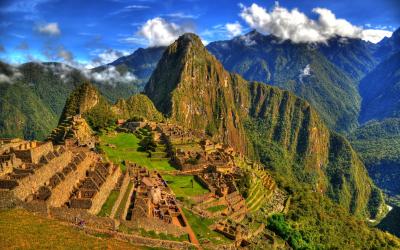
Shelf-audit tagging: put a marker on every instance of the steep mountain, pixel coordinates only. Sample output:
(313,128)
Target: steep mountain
(380,91)
(192,88)
(378,143)
(300,68)
(388,46)
(137,106)
(354,56)
(141,63)
(86,100)
(23,114)
(33,96)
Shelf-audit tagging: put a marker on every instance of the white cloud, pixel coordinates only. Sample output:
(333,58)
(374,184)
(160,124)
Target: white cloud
(129,8)
(110,75)
(296,26)
(159,32)
(136,6)
(233,29)
(65,55)
(50,29)
(305,72)
(248,39)
(182,15)
(56,53)
(15,74)
(374,35)
(4,78)
(107,56)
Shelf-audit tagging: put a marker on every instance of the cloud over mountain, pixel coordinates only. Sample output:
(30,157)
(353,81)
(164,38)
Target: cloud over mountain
(159,32)
(110,75)
(296,26)
(233,29)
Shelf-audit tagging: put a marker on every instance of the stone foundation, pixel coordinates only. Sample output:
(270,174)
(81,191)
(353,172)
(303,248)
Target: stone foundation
(74,216)
(105,190)
(61,193)
(31,183)
(122,191)
(150,224)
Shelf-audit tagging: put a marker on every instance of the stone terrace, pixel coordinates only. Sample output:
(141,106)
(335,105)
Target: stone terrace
(93,190)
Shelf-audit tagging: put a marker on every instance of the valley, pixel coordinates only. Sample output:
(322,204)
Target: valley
(132,124)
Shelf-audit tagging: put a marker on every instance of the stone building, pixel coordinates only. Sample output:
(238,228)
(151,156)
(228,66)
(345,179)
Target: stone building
(152,199)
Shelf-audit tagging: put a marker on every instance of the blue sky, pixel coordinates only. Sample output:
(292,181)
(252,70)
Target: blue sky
(91,32)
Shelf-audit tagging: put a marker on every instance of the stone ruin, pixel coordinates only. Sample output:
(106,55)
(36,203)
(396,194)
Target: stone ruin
(217,156)
(92,191)
(153,199)
(73,131)
(177,134)
(56,175)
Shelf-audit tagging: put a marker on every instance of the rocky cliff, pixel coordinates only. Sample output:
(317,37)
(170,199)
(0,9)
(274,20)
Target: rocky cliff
(192,88)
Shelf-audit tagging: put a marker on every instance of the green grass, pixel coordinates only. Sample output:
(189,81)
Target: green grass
(126,149)
(182,186)
(201,228)
(163,236)
(108,205)
(216,208)
(23,230)
(123,201)
(188,146)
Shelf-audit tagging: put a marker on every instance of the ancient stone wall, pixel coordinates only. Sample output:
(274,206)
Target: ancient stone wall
(128,203)
(37,207)
(34,154)
(8,200)
(145,241)
(62,192)
(74,215)
(204,183)
(123,189)
(40,150)
(105,190)
(158,226)
(30,184)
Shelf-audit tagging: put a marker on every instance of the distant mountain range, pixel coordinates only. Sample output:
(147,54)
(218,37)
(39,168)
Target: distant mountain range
(141,63)
(380,90)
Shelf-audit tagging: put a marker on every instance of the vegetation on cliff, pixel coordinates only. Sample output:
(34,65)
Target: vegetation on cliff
(137,105)
(33,96)
(283,131)
(378,143)
(380,91)
(100,113)
(300,68)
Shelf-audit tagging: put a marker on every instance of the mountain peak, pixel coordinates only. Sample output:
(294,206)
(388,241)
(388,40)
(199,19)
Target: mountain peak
(185,42)
(81,100)
(192,87)
(190,37)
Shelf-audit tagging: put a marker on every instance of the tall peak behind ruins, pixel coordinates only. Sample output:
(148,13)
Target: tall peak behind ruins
(191,87)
